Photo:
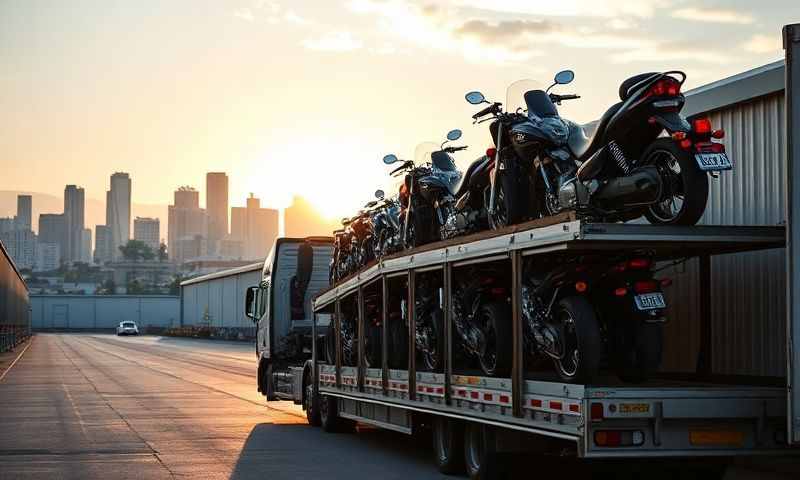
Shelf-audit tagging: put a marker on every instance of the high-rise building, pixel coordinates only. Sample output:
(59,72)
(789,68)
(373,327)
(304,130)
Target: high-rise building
(102,244)
(255,227)
(7,225)
(51,241)
(24,208)
(74,202)
(147,230)
(187,227)
(118,211)
(86,245)
(21,245)
(216,208)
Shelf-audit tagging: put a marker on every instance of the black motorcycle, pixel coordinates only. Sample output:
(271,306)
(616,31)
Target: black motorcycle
(626,169)
(386,228)
(438,201)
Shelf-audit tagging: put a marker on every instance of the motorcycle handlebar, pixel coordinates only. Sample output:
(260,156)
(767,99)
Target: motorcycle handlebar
(558,98)
(401,167)
(490,109)
(455,149)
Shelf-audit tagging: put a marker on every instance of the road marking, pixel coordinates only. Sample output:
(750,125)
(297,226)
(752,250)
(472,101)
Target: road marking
(3,375)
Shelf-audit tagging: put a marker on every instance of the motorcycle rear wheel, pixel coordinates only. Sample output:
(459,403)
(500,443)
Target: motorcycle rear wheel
(681,180)
(580,338)
(433,354)
(495,356)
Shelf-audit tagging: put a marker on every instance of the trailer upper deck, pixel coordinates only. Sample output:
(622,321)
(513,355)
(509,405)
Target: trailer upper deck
(566,233)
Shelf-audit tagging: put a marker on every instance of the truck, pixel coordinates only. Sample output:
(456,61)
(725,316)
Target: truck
(345,373)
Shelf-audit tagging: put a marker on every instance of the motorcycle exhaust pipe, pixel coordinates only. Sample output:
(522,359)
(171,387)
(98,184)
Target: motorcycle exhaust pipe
(641,187)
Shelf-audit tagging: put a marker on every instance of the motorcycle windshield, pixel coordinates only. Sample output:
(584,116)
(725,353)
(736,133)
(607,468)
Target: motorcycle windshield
(515,94)
(422,154)
(539,103)
(443,161)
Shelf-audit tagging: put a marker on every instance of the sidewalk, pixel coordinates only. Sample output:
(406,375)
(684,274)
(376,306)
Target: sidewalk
(9,357)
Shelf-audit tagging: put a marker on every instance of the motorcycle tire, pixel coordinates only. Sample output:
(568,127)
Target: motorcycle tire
(330,346)
(434,361)
(641,357)
(503,205)
(581,331)
(666,154)
(495,357)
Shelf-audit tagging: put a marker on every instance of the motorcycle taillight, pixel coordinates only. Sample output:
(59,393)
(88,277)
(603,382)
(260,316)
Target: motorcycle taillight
(665,87)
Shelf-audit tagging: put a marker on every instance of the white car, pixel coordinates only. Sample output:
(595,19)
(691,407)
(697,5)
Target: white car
(127,328)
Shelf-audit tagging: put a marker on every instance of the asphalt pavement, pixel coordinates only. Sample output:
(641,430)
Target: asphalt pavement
(98,406)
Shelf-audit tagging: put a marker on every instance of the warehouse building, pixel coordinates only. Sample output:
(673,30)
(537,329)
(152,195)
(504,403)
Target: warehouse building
(216,301)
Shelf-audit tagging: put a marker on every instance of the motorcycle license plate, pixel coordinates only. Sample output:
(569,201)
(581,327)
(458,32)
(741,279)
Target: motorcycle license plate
(650,301)
(713,161)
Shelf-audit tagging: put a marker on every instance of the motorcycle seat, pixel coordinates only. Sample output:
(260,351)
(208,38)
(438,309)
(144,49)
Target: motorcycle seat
(583,146)
(459,187)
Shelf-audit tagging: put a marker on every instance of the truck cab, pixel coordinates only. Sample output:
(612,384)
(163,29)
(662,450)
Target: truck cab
(294,272)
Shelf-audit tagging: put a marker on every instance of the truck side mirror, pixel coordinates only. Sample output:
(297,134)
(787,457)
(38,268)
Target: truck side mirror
(249,302)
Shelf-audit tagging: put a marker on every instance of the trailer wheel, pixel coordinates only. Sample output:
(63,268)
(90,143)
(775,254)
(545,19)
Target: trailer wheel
(311,402)
(495,356)
(580,340)
(448,439)
(643,357)
(329,417)
(480,452)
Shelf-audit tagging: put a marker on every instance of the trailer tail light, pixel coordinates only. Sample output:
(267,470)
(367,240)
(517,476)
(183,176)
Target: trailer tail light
(618,438)
(639,263)
(581,286)
(596,412)
(645,286)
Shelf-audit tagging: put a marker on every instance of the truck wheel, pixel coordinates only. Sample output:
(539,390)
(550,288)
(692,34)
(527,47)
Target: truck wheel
(495,357)
(580,340)
(329,417)
(311,403)
(643,357)
(480,452)
(448,438)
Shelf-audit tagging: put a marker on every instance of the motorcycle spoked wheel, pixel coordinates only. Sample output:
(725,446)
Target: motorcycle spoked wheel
(580,340)
(432,353)
(684,186)
(500,217)
(496,348)
(410,240)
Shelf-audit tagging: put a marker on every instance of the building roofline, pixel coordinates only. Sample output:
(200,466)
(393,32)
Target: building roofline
(224,273)
(757,82)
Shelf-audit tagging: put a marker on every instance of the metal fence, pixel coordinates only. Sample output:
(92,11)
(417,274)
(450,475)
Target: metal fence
(15,320)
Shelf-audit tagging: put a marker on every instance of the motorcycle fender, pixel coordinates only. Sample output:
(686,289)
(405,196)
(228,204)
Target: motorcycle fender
(672,122)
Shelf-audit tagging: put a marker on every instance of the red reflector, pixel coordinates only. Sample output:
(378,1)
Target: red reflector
(596,412)
(701,125)
(639,263)
(686,144)
(621,292)
(718,133)
(678,136)
(581,287)
(555,405)
(666,282)
(490,152)
(473,394)
(645,286)
(575,408)
(487,396)
(504,399)
(536,403)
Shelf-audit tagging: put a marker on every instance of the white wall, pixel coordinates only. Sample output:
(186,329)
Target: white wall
(103,311)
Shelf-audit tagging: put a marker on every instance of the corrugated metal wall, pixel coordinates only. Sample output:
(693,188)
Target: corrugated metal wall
(748,290)
(15,321)
(218,302)
(103,311)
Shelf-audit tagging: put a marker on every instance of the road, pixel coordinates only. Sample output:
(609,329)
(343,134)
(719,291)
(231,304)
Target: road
(98,406)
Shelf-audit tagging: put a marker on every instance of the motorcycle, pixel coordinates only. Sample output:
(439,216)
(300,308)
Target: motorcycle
(626,169)
(573,311)
(438,201)
(385,226)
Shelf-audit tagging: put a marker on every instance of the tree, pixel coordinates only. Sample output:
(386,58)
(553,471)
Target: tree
(136,250)
(162,252)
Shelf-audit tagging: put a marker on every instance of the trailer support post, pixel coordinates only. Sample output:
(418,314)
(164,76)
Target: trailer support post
(517,357)
(337,321)
(704,355)
(361,336)
(385,334)
(791,43)
(412,323)
(314,355)
(447,288)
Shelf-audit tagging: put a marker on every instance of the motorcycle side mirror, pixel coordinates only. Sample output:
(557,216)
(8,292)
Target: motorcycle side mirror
(475,97)
(454,135)
(564,77)
(379,194)
(390,159)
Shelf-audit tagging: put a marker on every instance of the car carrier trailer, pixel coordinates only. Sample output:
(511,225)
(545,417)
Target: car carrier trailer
(664,417)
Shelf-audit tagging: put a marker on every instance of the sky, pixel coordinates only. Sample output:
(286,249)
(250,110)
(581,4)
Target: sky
(305,97)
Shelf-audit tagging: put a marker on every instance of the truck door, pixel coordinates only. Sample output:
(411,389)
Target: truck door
(263,315)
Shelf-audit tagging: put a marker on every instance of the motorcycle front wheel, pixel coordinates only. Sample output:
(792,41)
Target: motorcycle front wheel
(579,334)
(432,353)
(684,186)
(496,350)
